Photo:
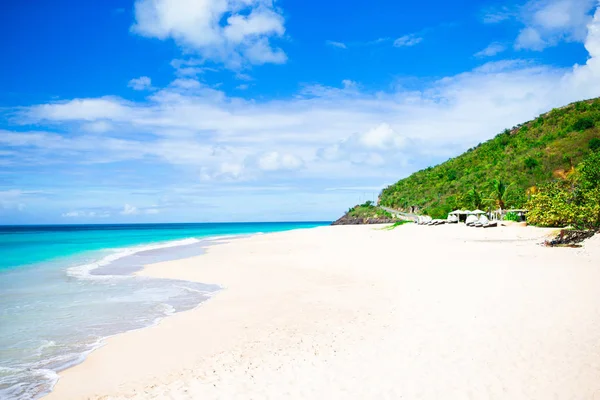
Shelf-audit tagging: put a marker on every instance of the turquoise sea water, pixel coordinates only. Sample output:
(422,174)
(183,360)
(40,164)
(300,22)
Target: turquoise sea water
(63,289)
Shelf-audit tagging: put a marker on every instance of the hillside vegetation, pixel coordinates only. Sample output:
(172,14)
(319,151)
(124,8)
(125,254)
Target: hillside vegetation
(506,171)
(366,213)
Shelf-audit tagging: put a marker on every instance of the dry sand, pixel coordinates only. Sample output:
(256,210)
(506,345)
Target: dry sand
(444,312)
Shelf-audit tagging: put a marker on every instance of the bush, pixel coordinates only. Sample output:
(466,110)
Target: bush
(531,163)
(583,123)
(594,144)
(575,201)
(511,216)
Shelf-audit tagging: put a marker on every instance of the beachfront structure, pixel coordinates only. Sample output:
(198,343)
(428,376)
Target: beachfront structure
(461,214)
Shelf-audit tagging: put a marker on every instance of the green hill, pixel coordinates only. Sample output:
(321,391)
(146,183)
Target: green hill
(532,154)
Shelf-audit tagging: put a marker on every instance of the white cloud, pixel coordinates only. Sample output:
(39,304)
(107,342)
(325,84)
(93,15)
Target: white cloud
(549,22)
(408,40)
(371,147)
(318,136)
(491,50)
(129,210)
(382,137)
(496,15)
(86,214)
(349,84)
(275,161)
(230,31)
(243,86)
(97,126)
(141,83)
(333,43)
(530,38)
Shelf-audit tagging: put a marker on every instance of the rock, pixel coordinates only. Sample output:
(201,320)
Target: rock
(569,237)
(346,220)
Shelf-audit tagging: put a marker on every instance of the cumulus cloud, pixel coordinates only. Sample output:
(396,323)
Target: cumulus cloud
(369,147)
(408,40)
(141,83)
(229,31)
(546,22)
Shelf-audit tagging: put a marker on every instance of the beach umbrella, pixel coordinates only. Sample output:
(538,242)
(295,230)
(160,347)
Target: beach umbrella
(476,212)
(456,212)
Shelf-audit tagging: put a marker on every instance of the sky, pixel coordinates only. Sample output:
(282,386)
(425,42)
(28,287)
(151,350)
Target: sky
(263,110)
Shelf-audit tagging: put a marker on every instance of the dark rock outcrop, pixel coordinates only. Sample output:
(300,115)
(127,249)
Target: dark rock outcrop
(569,237)
(347,220)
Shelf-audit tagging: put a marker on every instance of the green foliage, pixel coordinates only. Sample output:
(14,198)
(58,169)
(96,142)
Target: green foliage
(499,192)
(368,210)
(594,144)
(474,198)
(589,171)
(531,163)
(511,216)
(396,224)
(583,123)
(574,201)
(553,142)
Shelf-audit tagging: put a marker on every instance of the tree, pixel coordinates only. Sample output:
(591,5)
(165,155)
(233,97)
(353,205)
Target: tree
(474,198)
(499,192)
(583,123)
(594,144)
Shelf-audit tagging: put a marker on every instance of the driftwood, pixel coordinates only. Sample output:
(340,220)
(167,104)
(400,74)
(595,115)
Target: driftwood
(569,237)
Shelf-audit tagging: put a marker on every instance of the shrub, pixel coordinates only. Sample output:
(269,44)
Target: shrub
(590,171)
(575,201)
(594,144)
(583,123)
(531,163)
(452,175)
(511,216)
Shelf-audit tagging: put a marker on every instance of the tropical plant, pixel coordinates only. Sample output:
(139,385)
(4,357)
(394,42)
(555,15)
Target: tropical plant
(594,144)
(474,198)
(499,192)
(511,216)
(574,201)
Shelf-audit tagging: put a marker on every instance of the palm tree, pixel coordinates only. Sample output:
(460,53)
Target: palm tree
(499,192)
(474,198)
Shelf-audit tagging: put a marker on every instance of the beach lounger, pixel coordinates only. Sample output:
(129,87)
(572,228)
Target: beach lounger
(471,220)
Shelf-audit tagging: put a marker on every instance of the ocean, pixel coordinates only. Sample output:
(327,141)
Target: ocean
(63,289)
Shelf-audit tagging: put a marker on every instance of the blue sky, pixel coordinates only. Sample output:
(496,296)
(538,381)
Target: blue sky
(260,110)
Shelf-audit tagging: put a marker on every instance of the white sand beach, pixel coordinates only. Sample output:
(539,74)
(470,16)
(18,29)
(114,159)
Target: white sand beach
(418,312)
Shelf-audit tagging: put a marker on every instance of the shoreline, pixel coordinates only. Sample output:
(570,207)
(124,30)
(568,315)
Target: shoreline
(300,303)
